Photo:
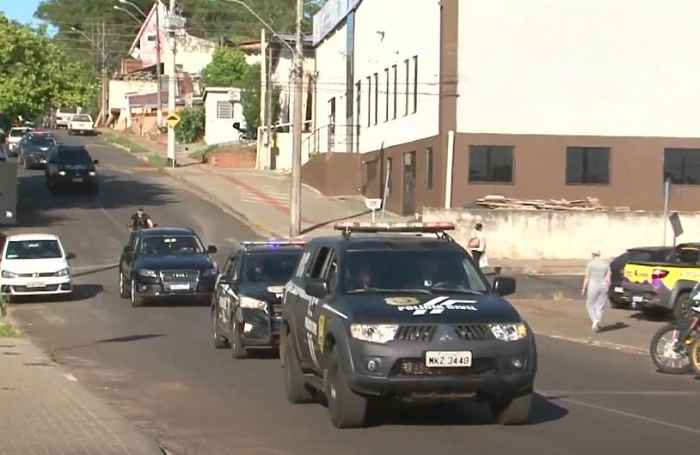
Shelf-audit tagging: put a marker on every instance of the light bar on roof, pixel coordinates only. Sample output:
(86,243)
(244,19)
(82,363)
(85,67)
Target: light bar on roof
(366,226)
(273,243)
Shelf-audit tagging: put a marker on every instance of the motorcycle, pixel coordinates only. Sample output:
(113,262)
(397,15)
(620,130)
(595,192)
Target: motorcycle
(675,347)
(132,228)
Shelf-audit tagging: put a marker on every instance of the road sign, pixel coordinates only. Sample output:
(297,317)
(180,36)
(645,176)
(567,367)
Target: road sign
(173,119)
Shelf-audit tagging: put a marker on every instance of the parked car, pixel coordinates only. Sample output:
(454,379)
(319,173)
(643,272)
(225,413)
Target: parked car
(616,293)
(71,167)
(81,124)
(14,137)
(34,149)
(35,264)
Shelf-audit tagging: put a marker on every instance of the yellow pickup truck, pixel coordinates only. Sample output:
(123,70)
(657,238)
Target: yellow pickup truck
(659,288)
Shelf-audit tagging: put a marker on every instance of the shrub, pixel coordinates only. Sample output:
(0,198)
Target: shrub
(191,126)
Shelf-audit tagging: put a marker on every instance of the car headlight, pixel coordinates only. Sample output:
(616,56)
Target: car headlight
(148,273)
(209,272)
(62,272)
(8,274)
(374,333)
(92,173)
(61,172)
(249,302)
(509,332)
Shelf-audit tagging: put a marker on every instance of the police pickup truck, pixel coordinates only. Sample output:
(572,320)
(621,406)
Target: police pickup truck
(377,313)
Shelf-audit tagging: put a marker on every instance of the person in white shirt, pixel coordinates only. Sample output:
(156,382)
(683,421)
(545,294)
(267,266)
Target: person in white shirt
(477,245)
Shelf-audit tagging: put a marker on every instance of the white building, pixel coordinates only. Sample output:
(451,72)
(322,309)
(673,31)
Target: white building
(222,106)
(451,100)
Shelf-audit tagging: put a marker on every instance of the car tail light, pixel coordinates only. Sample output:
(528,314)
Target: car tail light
(659,274)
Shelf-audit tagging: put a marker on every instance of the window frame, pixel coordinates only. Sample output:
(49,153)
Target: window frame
(685,151)
(584,178)
(472,149)
(219,104)
(407,67)
(429,167)
(415,84)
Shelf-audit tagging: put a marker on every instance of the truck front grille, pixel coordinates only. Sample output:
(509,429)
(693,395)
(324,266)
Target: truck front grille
(179,276)
(415,333)
(474,332)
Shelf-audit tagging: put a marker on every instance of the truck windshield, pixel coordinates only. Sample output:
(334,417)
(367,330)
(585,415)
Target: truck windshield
(273,269)
(411,271)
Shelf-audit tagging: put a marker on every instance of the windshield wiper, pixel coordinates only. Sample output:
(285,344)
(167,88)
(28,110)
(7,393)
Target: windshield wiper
(459,291)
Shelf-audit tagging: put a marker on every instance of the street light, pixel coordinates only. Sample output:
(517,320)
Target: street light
(119,8)
(295,190)
(126,2)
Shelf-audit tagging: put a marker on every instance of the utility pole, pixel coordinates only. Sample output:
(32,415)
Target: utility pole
(295,193)
(173,25)
(159,69)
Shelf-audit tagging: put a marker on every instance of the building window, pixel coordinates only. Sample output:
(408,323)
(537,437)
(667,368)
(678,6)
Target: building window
(386,104)
(395,70)
(369,101)
(429,168)
(415,84)
(224,110)
(587,165)
(491,163)
(387,178)
(407,68)
(152,38)
(376,98)
(682,166)
(358,103)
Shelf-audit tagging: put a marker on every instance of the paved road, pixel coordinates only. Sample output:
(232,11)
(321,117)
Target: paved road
(157,365)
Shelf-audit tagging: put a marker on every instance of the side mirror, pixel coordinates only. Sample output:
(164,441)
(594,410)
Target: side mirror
(95,161)
(127,249)
(70,256)
(317,288)
(212,249)
(504,285)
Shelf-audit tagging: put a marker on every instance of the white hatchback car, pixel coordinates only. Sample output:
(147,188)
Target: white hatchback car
(35,264)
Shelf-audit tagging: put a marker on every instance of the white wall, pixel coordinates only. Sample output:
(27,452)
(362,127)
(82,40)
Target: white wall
(217,130)
(579,67)
(330,83)
(409,30)
(194,53)
(119,89)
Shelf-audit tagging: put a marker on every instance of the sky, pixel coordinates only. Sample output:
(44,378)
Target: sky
(20,10)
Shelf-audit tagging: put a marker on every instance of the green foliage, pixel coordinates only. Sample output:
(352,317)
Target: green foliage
(227,68)
(191,126)
(36,75)
(250,97)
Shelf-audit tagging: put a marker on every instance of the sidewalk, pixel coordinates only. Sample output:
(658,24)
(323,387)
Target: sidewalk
(44,410)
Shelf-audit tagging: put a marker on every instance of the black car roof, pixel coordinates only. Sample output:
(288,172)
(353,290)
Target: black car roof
(154,232)
(650,248)
(358,242)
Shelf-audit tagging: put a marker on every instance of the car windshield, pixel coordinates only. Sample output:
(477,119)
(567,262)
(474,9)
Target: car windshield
(411,271)
(42,141)
(274,269)
(73,157)
(685,255)
(33,249)
(82,118)
(17,133)
(167,245)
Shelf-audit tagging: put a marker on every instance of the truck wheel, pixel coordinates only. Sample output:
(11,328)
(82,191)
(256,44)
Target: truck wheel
(665,359)
(695,356)
(219,341)
(294,386)
(683,308)
(346,408)
(238,351)
(515,411)
(136,301)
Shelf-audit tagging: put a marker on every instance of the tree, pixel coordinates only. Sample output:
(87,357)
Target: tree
(36,75)
(228,68)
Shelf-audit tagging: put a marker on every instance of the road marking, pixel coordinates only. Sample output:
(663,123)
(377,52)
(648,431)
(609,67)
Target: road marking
(632,415)
(70,377)
(557,393)
(597,343)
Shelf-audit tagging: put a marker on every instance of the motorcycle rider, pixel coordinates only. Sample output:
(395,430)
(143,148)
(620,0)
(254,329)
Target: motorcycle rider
(140,220)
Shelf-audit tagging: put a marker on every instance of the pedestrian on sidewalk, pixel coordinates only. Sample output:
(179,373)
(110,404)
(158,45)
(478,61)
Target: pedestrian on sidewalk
(595,286)
(477,246)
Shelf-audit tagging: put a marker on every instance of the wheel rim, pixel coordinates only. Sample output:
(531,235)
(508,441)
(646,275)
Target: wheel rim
(234,335)
(215,319)
(121,283)
(687,309)
(695,355)
(666,353)
(133,291)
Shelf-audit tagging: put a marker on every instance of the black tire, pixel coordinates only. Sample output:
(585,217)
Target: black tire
(346,408)
(136,300)
(296,389)
(660,343)
(683,307)
(513,411)
(695,356)
(219,341)
(238,351)
(123,291)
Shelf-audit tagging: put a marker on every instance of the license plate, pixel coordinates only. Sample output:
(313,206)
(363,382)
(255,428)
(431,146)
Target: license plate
(36,285)
(637,298)
(619,289)
(77,179)
(448,359)
(179,287)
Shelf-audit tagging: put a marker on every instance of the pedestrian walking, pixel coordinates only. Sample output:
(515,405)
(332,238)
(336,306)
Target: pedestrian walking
(477,246)
(595,287)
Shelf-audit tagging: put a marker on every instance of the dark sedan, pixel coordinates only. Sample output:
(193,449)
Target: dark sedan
(617,295)
(71,167)
(34,149)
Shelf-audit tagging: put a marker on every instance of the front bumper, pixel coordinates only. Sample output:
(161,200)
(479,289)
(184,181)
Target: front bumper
(648,295)
(73,180)
(152,288)
(402,370)
(36,286)
(35,161)
(260,328)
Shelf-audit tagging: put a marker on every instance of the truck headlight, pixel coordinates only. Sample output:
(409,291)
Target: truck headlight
(8,274)
(62,272)
(61,172)
(374,333)
(255,304)
(209,272)
(509,332)
(148,273)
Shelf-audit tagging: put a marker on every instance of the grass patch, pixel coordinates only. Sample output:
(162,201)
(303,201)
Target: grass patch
(126,143)
(157,160)
(201,154)
(9,331)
